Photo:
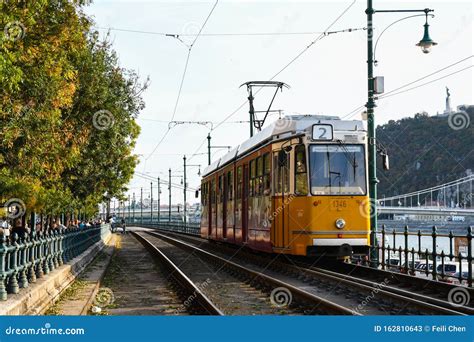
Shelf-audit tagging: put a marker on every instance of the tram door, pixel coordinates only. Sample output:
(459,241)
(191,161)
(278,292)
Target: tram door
(281,185)
(245,204)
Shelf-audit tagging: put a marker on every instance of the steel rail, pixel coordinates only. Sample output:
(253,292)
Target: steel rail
(424,302)
(181,279)
(300,295)
(432,302)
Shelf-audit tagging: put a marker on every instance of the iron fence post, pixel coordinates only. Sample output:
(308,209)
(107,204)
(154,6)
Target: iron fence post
(405,233)
(45,253)
(23,281)
(469,256)
(32,251)
(434,254)
(13,286)
(39,255)
(427,259)
(3,252)
(51,251)
(383,247)
(60,246)
(451,236)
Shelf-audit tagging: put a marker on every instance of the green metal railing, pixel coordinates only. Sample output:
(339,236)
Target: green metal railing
(417,252)
(179,227)
(23,259)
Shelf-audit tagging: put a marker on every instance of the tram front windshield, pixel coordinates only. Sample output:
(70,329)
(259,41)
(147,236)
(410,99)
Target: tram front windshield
(337,169)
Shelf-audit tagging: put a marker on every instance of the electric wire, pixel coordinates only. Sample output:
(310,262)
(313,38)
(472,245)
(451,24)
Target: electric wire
(396,90)
(190,47)
(312,43)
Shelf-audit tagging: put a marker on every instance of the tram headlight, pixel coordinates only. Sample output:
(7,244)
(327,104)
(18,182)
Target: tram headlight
(340,223)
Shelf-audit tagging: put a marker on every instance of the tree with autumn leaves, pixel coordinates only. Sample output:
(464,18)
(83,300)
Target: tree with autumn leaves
(67,111)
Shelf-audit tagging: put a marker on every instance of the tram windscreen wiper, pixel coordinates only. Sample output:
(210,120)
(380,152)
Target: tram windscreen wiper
(351,159)
(338,175)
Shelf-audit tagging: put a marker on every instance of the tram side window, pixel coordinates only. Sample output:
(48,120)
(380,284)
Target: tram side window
(266,174)
(301,179)
(203,194)
(259,180)
(213,191)
(281,174)
(286,174)
(221,190)
(230,185)
(239,183)
(252,178)
(276,174)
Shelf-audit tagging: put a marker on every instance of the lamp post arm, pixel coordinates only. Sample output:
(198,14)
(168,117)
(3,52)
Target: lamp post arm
(396,21)
(425,10)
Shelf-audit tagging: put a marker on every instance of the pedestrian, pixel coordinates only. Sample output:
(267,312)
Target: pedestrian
(4,228)
(124,228)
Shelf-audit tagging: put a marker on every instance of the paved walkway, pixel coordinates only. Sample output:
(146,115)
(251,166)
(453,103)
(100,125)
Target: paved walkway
(80,296)
(138,285)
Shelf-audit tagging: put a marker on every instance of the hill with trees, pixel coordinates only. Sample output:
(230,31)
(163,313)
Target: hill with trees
(426,151)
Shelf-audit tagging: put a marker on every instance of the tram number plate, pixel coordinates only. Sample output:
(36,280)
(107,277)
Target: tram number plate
(338,205)
(322,132)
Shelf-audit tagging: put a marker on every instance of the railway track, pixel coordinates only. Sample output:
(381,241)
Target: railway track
(430,290)
(230,294)
(381,294)
(196,302)
(284,294)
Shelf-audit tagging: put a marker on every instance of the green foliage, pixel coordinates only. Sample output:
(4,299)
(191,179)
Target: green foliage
(58,84)
(424,151)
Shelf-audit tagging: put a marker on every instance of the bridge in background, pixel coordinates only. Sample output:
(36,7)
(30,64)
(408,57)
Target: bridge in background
(449,203)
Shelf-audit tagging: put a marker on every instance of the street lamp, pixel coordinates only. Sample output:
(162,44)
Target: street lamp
(426,43)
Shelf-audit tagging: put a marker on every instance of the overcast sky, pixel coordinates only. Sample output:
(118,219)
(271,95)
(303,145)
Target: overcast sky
(329,78)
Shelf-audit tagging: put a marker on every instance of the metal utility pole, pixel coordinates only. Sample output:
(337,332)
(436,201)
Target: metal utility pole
(209,149)
(186,186)
(159,204)
(425,43)
(372,148)
(128,208)
(184,191)
(151,204)
(169,188)
(134,201)
(141,205)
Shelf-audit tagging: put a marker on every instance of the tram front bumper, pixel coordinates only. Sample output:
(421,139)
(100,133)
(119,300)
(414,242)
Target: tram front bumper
(338,247)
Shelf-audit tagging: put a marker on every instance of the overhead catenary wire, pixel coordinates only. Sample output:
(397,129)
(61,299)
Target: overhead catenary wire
(294,59)
(396,91)
(183,77)
(225,34)
(426,83)
(164,181)
(426,76)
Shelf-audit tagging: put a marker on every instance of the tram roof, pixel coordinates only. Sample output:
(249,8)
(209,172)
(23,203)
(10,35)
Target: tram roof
(287,126)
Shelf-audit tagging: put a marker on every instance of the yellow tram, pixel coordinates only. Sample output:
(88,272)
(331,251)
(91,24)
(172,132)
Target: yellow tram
(297,187)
